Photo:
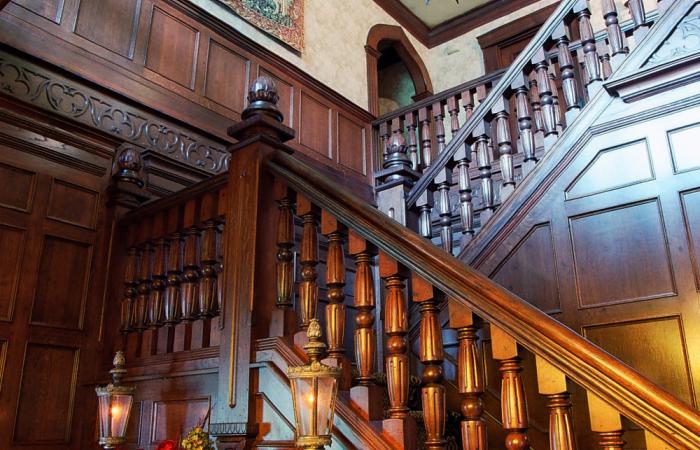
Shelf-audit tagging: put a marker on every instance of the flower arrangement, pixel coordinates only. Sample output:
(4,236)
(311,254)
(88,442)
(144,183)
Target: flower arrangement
(197,439)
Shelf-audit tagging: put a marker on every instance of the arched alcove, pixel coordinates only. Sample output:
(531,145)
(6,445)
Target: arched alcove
(394,69)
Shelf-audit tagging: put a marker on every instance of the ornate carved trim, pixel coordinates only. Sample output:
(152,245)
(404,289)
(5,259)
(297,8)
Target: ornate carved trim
(49,91)
(684,41)
(229,429)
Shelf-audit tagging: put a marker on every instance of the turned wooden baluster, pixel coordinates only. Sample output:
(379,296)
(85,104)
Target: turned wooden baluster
(426,141)
(588,44)
(207,289)
(501,110)
(606,68)
(384,134)
(567,74)
(308,258)
(470,377)
(453,110)
(549,114)
(128,302)
(396,329)
(443,182)
(160,270)
(483,157)
(171,302)
(424,204)
(467,104)
(513,403)
(616,38)
(144,278)
(466,207)
(220,251)
(551,383)
(439,117)
(285,245)
(335,282)
(410,121)
(555,98)
(432,356)
(365,334)
(525,132)
(639,17)
(537,116)
(606,423)
(190,276)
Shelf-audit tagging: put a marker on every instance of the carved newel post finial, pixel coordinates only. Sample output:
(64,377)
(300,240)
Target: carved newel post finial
(129,165)
(262,99)
(397,157)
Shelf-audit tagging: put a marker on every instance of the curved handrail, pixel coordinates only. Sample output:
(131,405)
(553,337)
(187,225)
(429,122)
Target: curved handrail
(630,393)
(489,102)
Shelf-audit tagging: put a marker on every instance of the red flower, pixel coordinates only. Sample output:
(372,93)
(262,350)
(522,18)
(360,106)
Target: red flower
(167,445)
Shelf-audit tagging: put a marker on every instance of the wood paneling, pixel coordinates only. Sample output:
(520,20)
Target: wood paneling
(117,19)
(613,251)
(531,269)
(12,245)
(170,418)
(61,290)
(172,48)
(73,204)
(227,77)
(318,137)
(691,212)
(352,148)
(45,407)
(22,192)
(684,148)
(655,347)
(3,357)
(48,9)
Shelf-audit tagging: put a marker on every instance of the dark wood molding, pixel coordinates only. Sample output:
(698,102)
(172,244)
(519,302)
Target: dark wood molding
(382,33)
(432,37)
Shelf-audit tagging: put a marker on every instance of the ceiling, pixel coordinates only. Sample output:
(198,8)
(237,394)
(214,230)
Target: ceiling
(439,11)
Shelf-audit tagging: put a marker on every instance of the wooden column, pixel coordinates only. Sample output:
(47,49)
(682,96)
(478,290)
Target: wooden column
(172,313)
(426,139)
(130,282)
(513,402)
(308,258)
(544,88)
(606,422)
(439,118)
(444,182)
(567,74)
(551,383)
(483,156)
(207,282)
(470,378)
(411,127)
(466,208)
(590,51)
(190,277)
(160,268)
(501,111)
(525,131)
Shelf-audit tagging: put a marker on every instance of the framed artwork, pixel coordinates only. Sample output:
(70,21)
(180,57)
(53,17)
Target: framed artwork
(282,19)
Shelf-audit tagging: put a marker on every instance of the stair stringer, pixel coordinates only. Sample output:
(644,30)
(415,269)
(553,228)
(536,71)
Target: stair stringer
(350,431)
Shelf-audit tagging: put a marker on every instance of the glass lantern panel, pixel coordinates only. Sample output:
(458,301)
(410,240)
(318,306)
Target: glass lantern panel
(306,403)
(103,404)
(119,412)
(326,388)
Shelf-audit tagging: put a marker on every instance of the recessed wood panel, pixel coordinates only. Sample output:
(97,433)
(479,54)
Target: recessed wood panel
(286,101)
(530,270)
(656,348)
(110,23)
(691,211)
(172,48)
(612,169)
(685,148)
(12,244)
(49,9)
(45,405)
(227,77)
(16,188)
(315,124)
(621,255)
(171,417)
(73,204)
(352,152)
(61,288)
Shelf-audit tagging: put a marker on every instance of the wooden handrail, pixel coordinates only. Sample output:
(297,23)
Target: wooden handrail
(633,395)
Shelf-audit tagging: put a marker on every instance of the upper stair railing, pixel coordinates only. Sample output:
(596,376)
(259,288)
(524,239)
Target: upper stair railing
(540,94)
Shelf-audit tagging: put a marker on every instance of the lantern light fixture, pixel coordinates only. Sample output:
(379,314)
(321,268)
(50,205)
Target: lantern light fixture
(114,403)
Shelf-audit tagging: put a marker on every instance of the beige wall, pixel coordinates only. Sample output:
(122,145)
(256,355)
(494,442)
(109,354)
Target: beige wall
(336,33)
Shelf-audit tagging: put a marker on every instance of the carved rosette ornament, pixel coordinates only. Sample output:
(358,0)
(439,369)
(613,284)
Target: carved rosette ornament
(128,165)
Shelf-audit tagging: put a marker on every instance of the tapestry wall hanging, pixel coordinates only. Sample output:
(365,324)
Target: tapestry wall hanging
(283,19)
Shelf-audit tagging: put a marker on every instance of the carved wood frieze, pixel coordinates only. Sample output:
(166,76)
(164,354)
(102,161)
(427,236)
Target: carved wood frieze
(36,85)
(685,40)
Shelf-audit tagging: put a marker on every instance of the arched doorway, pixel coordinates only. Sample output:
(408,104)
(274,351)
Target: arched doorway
(396,75)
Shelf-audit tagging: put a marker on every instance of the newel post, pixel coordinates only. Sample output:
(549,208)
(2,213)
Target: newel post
(250,253)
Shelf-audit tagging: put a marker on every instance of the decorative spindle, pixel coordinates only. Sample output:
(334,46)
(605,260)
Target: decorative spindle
(156,309)
(501,109)
(410,122)
(396,329)
(384,134)
(466,208)
(335,282)
(467,104)
(285,247)
(544,88)
(172,301)
(129,300)
(525,132)
(606,68)
(425,211)
(426,141)
(144,287)
(207,289)
(538,118)
(439,117)
(308,258)
(220,279)
(365,334)
(483,156)
(567,74)
(555,99)
(590,51)
(639,17)
(453,110)
(190,276)
(615,37)
(606,423)
(431,355)
(513,403)
(443,182)
(551,382)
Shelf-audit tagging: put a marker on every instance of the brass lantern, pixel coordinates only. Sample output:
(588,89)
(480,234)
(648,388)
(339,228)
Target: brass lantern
(314,391)
(114,405)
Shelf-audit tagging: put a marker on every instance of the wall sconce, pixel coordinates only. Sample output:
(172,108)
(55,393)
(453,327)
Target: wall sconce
(314,391)
(114,405)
